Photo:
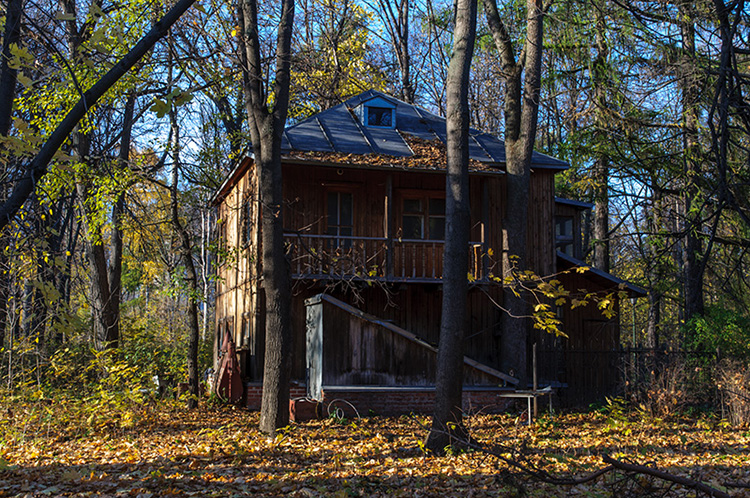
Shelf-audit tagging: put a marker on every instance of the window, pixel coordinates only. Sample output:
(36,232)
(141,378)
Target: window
(340,218)
(380,116)
(246,222)
(423,218)
(564,239)
(221,242)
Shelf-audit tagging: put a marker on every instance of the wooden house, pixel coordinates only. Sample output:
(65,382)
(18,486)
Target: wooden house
(364,220)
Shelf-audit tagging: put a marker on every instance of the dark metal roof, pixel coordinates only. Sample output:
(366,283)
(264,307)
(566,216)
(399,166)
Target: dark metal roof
(574,203)
(339,130)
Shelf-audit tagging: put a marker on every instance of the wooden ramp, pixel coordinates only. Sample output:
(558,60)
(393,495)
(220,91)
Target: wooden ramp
(347,347)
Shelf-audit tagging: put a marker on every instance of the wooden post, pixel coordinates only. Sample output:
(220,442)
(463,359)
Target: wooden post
(485,263)
(314,343)
(387,226)
(533,359)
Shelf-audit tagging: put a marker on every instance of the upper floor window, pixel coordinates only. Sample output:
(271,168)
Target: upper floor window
(247,221)
(564,237)
(423,218)
(380,116)
(341,217)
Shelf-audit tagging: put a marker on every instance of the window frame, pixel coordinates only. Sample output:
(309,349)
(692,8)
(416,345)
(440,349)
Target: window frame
(337,242)
(380,108)
(424,196)
(565,240)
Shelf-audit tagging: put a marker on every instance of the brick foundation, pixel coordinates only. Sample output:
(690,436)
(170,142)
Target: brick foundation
(388,401)
(254,392)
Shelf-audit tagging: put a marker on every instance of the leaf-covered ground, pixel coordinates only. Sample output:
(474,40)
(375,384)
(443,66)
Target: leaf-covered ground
(165,451)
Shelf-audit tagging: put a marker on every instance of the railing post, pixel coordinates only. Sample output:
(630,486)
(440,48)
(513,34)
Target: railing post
(387,226)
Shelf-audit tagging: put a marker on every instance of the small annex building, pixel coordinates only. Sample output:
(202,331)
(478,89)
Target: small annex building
(364,222)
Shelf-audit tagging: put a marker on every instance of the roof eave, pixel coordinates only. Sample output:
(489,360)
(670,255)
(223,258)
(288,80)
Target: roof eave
(632,289)
(392,167)
(230,181)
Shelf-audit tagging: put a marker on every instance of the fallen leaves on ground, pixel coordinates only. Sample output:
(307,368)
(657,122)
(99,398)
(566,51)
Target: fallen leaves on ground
(219,452)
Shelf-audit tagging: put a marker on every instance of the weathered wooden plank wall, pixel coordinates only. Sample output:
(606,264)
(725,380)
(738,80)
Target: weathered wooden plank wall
(540,236)
(587,360)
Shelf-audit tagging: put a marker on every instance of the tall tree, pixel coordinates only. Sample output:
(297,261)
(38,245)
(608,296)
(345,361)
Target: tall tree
(600,72)
(522,81)
(267,121)
(395,16)
(447,417)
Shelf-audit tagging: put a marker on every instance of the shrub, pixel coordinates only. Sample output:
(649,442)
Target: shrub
(734,385)
(722,329)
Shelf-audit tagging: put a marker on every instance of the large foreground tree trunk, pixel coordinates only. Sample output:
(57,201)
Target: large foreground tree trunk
(266,129)
(447,417)
(521,117)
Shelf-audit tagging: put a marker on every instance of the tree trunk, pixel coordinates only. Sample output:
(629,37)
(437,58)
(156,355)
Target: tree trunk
(185,251)
(266,129)
(600,174)
(8,78)
(656,252)
(447,418)
(692,274)
(118,211)
(521,117)
(397,25)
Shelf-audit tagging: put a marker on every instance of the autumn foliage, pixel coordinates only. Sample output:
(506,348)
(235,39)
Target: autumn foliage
(49,448)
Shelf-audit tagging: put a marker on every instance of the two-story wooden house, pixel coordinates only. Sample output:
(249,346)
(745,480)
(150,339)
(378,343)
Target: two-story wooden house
(364,218)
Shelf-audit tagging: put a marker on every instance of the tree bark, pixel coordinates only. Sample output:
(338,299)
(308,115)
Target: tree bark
(266,129)
(521,117)
(692,274)
(447,422)
(8,74)
(185,251)
(118,211)
(8,79)
(397,25)
(599,81)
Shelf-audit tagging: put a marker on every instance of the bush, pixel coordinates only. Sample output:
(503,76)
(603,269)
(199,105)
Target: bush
(734,385)
(720,329)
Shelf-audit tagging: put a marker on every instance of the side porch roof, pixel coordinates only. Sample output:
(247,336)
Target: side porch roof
(565,262)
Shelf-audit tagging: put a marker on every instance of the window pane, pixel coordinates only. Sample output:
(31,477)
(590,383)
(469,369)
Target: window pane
(566,248)
(412,227)
(413,206)
(437,228)
(333,209)
(437,206)
(379,116)
(564,226)
(345,206)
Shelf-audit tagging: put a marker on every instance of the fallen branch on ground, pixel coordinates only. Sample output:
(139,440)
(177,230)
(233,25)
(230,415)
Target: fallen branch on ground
(666,476)
(548,478)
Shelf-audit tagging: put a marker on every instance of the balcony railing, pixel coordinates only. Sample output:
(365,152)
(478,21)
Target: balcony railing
(333,256)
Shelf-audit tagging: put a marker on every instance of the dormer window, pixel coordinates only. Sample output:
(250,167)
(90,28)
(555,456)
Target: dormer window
(376,113)
(380,116)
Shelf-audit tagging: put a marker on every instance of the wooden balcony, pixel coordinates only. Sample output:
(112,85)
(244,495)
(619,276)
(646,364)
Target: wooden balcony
(374,258)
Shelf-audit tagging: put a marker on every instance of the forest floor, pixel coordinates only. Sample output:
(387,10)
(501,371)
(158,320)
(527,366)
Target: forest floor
(58,448)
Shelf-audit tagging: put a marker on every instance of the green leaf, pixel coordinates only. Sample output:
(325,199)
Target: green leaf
(160,107)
